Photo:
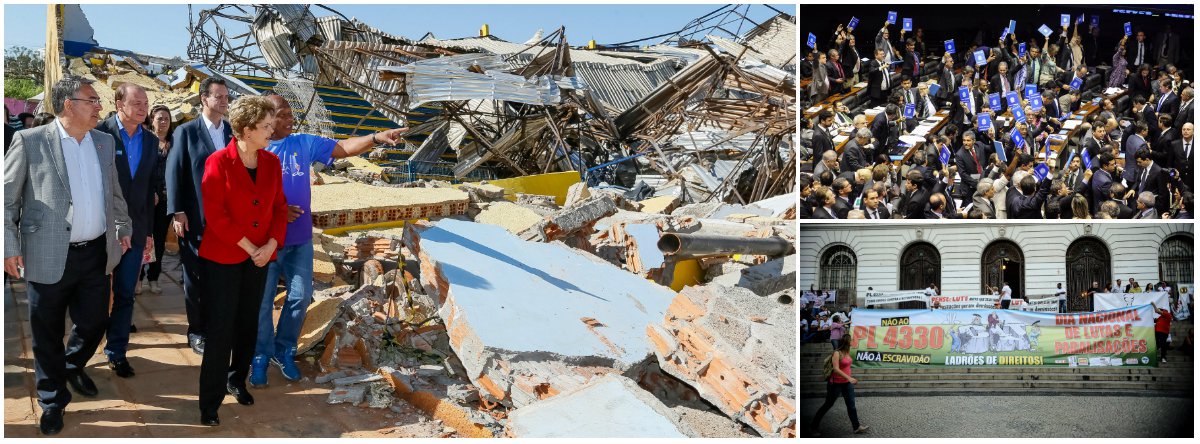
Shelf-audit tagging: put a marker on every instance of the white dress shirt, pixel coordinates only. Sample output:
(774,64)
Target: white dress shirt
(216,132)
(87,185)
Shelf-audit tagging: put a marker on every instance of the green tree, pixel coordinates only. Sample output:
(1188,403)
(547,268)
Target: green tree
(24,71)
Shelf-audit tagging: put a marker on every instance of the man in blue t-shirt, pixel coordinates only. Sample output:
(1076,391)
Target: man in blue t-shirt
(294,260)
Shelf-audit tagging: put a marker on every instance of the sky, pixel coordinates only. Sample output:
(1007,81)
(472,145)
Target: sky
(162,29)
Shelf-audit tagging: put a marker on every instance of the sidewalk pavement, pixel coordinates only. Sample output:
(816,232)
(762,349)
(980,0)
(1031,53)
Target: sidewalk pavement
(161,400)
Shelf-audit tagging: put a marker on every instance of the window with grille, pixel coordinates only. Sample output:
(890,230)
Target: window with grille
(1175,260)
(839,271)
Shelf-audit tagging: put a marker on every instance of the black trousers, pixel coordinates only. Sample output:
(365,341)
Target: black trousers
(193,285)
(832,390)
(162,221)
(82,291)
(1160,342)
(233,295)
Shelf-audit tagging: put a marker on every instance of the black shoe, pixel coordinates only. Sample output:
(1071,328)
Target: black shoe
(82,384)
(132,328)
(242,395)
(51,422)
(197,344)
(209,418)
(121,367)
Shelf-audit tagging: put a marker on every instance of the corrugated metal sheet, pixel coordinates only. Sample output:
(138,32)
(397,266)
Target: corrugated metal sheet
(776,40)
(364,70)
(448,79)
(707,140)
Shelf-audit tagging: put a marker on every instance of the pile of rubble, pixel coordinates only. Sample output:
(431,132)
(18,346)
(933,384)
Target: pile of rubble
(529,319)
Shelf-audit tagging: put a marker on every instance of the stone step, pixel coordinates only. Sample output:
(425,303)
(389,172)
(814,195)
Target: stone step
(1013,370)
(1180,378)
(816,392)
(868,384)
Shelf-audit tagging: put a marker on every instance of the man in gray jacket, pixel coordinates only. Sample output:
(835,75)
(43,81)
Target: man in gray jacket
(63,210)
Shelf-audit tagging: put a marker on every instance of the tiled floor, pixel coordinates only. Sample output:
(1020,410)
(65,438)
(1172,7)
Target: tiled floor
(160,401)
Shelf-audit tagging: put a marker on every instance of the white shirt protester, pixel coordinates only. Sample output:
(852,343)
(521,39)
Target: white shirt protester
(1006,293)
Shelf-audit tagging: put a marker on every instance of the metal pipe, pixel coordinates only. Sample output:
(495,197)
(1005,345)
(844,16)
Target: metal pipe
(689,246)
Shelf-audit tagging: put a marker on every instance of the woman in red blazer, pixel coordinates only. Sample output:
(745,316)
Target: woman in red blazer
(246,216)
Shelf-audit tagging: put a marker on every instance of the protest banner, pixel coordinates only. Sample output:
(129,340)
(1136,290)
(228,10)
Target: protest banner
(983,301)
(1110,301)
(1040,305)
(891,297)
(994,338)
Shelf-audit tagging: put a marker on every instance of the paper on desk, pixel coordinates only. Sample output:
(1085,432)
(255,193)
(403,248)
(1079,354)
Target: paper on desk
(840,138)
(912,140)
(861,84)
(1113,90)
(922,130)
(1071,124)
(814,109)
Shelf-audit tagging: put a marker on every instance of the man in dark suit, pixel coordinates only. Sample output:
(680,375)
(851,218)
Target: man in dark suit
(827,200)
(920,184)
(1002,83)
(886,129)
(1154,180)
(970,166)
(137,167)
(1167,102)
(1140,110)
(939,209)
(853,157)
(1117,196)
(193,143)
(1102,180)
(65,229)
(836,73)
(1183,154)
(872,207)
(911,66)
(1138,51)
(822,137)
(842,190)
(1135,143)
(948,82)
(1028,203)
(879,80)
(1186,110)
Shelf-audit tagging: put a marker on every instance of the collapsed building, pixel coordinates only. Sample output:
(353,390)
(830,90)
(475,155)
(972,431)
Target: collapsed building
(567,232)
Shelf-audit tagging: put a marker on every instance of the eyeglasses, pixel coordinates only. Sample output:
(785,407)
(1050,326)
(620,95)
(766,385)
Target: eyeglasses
(94,102)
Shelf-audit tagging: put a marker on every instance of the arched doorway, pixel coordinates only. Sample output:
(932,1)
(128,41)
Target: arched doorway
(1002,261)
(1087,262)
(839,271)
(1175,261)
(920,264)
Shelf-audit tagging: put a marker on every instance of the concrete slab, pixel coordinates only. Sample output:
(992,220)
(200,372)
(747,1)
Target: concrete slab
(737,349)
(644,247)
(766,278)
(530,319)
(609,407)
(352,204)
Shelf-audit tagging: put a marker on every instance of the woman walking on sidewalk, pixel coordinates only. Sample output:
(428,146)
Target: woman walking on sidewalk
(839,382)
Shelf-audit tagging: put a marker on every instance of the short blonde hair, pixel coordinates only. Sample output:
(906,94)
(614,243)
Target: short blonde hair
(247,111)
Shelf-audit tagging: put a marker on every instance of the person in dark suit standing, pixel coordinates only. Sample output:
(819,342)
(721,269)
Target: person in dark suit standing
(948,81)
(1028,203)
(1186,110)
(1139,81)
(1117,196)
(841,192)
(885,128)
(827,200)
(853,157)
(1135,143)
(879,79)
(65,229)
(1102,179)
(822,136)
(1139,51)
(1153,179)
(872,208)
(137,172)
(969,166)
(836,73)
(911,66)
(1167,102)
(194,142)
(1183,155)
